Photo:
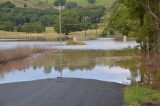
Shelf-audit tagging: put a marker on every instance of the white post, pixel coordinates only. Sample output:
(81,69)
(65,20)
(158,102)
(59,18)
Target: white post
(74,39)
(124,38)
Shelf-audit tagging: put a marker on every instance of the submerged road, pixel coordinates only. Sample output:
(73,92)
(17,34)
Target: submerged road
(65,92)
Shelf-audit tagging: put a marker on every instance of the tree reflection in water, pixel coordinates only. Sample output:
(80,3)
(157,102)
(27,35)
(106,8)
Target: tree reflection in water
(86,60)
(150,70)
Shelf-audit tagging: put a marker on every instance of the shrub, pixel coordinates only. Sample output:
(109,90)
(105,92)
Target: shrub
(108,32)
(75,43)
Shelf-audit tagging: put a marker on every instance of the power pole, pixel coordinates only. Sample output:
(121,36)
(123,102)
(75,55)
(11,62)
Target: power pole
(60,32)
(85,23)
(60,24)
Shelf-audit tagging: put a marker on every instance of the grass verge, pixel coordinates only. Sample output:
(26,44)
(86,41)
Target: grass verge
(17,53)
(75,43)
(137,96)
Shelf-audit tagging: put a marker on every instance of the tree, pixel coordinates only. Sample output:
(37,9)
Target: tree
(71,5)
(86,23)
(141,17)
(8,26)
(69,22)
(92,1)
(7,4)
(148,11)
(33,28)
(59,2)
(25,5)
(47,17)
(120,20)
(108,32)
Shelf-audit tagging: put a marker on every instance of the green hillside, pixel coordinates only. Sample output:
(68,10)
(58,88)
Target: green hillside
(48,3)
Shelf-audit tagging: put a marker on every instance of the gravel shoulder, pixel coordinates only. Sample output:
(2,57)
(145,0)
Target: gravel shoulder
(64,92)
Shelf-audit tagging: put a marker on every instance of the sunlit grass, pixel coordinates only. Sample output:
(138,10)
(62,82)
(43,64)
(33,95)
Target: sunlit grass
(30,36)
(92,34)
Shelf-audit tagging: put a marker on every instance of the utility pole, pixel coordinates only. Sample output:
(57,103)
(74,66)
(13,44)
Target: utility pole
(60,44)
(97,27)
(60,32)
(85,23)
(60,25)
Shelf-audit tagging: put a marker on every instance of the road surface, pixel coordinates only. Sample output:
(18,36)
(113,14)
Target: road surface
(65,92)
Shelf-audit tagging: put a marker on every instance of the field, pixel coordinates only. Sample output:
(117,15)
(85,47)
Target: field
(32,36)
(48,36)
(48,3)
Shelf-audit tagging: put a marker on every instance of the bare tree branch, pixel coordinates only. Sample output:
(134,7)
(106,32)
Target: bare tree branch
(148,9)
(151,12)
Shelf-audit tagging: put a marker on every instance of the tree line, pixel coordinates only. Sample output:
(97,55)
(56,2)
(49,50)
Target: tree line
(138,18)
(32,20)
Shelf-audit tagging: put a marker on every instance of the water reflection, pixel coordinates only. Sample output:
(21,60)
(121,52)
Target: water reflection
(90,64)
(116,66)
(150,70)
(103,44)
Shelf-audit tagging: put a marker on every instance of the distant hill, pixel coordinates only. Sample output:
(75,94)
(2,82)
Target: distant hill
(48,3)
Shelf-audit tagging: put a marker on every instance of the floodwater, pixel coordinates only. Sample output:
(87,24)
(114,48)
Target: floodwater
(103,44)
(96,60)
(87,64)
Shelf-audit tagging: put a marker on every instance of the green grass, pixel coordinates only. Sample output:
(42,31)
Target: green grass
(48,3)
(75,43)
(136,96)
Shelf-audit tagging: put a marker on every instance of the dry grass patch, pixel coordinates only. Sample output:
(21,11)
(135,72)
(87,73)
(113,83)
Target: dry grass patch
(17,53)
(31,36)
(75,43)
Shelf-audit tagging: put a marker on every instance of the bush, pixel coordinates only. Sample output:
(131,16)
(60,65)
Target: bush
(75,43)
(108,32)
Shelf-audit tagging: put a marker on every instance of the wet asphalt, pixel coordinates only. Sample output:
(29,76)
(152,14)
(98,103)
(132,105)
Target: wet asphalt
(62,92)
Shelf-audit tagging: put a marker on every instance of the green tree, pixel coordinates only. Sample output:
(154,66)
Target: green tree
(59,2)
(70,22)
(86,23)
(120,20)
(148,13)
(92,1)
(71,5)
(141,18)
(7,4)
(32,28)
(8,26)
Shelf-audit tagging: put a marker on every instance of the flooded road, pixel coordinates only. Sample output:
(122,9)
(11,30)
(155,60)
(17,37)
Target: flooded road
(86,64)
(100,60)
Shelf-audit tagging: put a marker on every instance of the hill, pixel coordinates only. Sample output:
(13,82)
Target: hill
(48,3)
